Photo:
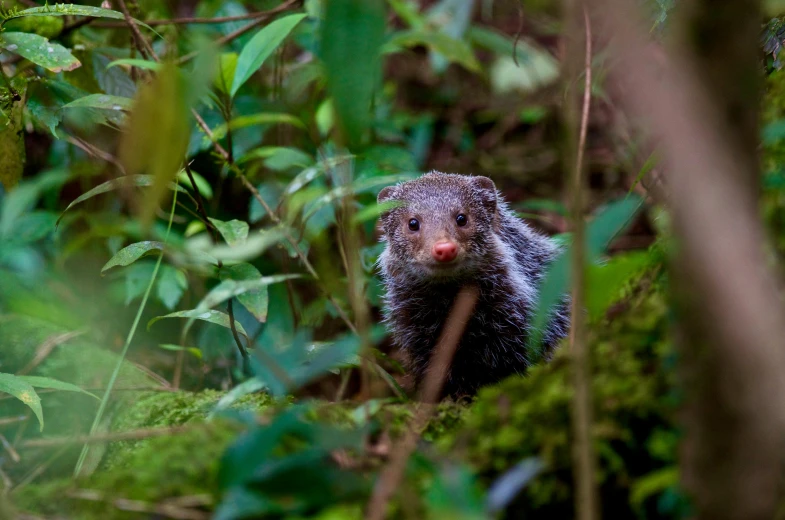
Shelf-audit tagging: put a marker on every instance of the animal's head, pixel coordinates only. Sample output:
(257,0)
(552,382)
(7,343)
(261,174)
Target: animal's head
(442,223)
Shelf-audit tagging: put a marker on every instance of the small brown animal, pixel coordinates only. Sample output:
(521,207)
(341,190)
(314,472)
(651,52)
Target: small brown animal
(450,231)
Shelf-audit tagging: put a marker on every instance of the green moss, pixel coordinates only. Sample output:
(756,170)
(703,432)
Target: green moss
(180,465)
(633,405)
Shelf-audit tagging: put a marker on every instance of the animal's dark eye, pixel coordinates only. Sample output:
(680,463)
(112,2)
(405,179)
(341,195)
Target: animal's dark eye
(461,220)
(414,224)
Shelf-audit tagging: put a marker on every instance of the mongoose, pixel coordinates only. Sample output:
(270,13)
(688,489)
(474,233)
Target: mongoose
(448,231)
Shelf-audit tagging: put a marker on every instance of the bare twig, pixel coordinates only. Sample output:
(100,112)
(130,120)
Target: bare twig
(198,20)
(242,30)
(586,503)
(5,421)
(164,509)
(134,435)
(44,349)
(438,368)
(9,448)
(141,42)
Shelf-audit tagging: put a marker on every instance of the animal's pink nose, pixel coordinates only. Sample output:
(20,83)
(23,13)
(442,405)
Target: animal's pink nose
(444,251)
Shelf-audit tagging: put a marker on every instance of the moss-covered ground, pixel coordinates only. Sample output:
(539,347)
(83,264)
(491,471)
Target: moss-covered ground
(520,418)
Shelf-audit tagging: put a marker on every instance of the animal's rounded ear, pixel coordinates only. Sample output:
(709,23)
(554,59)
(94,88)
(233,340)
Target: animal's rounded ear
(487,190)
(386,194)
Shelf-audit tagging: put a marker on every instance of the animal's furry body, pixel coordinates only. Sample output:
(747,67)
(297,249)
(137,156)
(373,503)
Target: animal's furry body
(497,252)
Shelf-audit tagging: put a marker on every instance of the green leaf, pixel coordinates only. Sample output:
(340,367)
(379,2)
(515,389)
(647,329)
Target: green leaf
(130,254)
(265,118)
(53,384)
(520,65)
(255,300)
(138,63)
(103,101)
(234,232)
(170,286)
(351,37)
(453,50)
(205,190)
(114,184)
(279,158)
(303,178)
(230,288)
(260,47)
(157,135)
(611,221)
(39,50)
(250,386)
(71,10)
(227,66)
(25,392)
(358,186)
(604,283)
(210,316)
(256,244)
(177,348)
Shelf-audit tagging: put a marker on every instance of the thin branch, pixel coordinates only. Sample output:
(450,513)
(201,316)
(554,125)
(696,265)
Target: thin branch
(134,435)
(438,368)
(141,42)
(202,20)
(10,449)
(242,30)
(44,349)
(586,503)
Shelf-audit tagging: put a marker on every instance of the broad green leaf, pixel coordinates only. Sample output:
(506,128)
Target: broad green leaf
(103,101)
(114,184)
(260,47)
(23,391)
(130,254)
(279,158)
(265,118)
(227,66)
(247,387)
(453,50)
(195,352)
(234,232)
(39,50)
(21,200)
(374,211)
(210,316)
(303,178)
(157,136)
(648,166)
(230,288)
(205,190)
(325,117)
(73,10)
(519,64)
(54,384)
(358,186)
(256,300)
(351,36)
(252,247)
(604,283)
(611,221)
(408,12)
(170,286)
(138,63)
(32,226)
